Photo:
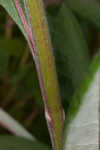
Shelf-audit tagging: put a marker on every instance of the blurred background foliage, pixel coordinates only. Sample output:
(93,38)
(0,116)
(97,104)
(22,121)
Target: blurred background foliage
(19,87)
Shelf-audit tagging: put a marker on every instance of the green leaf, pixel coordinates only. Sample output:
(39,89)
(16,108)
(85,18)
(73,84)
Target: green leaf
(69,42)
(4,61)
(82,122)
(23,8)
(12,47)
(87,9)
(12,11)
(12,125)
(70,49)
(17,143)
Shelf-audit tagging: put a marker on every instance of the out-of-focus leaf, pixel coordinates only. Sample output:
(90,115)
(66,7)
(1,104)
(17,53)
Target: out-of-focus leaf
(13,47)
(4,61)
(31,86)
(17,143)
(70,48)
(87,9)
(82,120)
(2,23)
(12,125)
(28,83)
(19,74)
(11,9)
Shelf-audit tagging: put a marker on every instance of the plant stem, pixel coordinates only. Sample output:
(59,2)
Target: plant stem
(44,61)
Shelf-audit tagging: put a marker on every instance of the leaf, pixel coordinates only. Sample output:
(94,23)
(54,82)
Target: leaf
(70,49)
(82,122)
(12,11)
(12,125)
(16,143)
(4,61)
(26,85)
(86,9)
(23,8)
(13,47)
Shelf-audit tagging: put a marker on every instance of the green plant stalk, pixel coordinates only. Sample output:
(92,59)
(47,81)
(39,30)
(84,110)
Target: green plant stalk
(44,60)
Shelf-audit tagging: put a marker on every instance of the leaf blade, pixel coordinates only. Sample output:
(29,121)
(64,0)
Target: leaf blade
(12,125)
(10,7)
(87,9)
(83,114)
(12,142)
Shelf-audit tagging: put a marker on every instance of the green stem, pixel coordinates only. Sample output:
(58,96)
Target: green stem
(44,61)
